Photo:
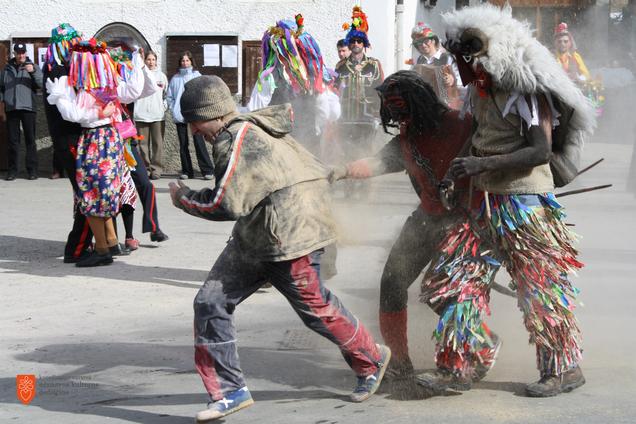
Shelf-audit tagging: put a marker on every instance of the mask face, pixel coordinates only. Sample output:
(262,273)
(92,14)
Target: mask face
(472,43)
(395,104)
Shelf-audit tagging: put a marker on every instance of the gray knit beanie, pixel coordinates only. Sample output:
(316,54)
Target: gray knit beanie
(205,98)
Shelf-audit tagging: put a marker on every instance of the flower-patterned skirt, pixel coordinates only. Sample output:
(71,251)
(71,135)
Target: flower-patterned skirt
(99,168)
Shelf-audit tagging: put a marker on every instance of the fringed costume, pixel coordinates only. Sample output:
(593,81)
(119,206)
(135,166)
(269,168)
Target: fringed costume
(515,94)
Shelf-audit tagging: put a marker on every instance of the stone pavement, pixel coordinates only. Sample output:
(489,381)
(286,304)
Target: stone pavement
(114,344)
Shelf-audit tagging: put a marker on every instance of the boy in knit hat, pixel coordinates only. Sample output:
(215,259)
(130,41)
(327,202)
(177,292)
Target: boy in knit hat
(277,192)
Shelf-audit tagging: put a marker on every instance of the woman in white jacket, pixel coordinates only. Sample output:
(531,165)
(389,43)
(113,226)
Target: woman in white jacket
(150,120)
(92,95)
(186,72)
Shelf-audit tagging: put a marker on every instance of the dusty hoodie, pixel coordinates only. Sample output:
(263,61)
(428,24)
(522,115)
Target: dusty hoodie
(272,186)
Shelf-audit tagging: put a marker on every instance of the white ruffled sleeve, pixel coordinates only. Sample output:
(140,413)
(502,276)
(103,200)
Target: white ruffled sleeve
(68,102)
(130,90)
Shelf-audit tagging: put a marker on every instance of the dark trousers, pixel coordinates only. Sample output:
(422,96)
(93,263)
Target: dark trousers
(233,278)
(146,191)
(60,152)
(81,236)
(203,158)
(410,254)
(27,118)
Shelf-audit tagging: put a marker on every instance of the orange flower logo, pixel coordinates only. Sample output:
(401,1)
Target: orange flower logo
(25,387)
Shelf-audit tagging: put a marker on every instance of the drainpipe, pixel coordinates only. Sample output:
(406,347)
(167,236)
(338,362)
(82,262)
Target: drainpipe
(399,48)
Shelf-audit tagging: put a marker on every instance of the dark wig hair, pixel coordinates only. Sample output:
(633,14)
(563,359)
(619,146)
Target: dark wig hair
(424,107)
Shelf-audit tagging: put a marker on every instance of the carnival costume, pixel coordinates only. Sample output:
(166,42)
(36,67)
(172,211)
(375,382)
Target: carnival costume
(430,136)
(100,159)
(357,80)
(519,224)
(65,135)
(294,72)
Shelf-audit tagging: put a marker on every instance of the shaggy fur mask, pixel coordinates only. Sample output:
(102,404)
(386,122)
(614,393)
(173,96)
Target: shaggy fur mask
(515,60)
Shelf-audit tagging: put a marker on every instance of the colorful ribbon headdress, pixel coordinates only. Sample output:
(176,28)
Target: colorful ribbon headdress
(63,38)
(294,55)
(91,67)
(358,28)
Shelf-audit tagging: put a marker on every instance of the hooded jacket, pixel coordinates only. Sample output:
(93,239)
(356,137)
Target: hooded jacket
(275,190)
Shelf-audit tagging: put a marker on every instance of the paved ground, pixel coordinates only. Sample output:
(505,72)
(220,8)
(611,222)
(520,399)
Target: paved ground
(114,344)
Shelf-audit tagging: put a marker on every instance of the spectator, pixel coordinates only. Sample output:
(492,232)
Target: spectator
(186,72)
(343,50)
(18,83)
(150,120)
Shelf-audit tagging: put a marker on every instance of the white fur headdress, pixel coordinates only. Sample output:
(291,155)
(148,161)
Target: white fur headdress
(516,61)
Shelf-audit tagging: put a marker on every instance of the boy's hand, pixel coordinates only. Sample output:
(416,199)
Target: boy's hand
(175,188)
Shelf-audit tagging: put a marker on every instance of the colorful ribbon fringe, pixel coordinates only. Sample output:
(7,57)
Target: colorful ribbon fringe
(526,234)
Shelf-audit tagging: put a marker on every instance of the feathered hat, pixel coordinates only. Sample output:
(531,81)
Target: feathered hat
(295,56)
(358,28)
(63,38)
(91,67)
(422,31)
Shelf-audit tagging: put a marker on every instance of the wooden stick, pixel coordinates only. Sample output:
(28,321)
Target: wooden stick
(582,190)
(591,166)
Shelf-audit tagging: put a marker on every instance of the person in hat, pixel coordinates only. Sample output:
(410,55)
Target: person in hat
(19,82)
(277,192)
(65,135)
(91,95)
(568,56)
(358,76)
(427,44)
(445,78)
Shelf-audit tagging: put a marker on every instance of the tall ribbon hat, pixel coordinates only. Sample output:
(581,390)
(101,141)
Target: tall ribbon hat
(358,28)
(63,38)
(295,56)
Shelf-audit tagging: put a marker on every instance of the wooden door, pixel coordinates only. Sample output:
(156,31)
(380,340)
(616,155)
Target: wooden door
(252,64)
(4,59)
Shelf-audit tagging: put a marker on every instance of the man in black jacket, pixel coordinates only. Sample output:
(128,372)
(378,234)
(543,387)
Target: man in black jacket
(18,82)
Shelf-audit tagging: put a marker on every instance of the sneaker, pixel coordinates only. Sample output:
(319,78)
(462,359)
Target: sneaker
(32,177)
(552,385)
(369,384)
(232,402)
(208,177)
(95,259)
(159,236)
(183,177)
(441,379)
(55,176)
(117,250)
(10,177)
(132,244)
(486,360)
